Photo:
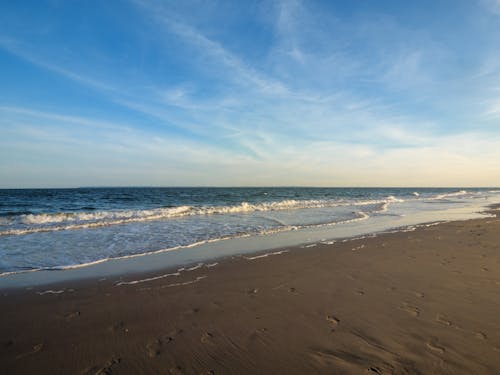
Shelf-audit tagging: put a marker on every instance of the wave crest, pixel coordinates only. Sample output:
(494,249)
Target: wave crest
(48,222)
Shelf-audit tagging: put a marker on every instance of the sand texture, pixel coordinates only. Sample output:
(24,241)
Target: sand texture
(418,302)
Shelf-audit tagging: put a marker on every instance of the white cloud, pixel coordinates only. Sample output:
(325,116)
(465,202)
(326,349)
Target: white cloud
(293,121)
(133,156)
(210,48)
(406,71)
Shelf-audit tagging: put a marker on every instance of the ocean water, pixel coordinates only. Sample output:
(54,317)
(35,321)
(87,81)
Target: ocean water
(64,228)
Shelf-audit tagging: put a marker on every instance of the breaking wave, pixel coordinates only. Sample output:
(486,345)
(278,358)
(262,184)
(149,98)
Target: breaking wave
(49,222)
(451,195)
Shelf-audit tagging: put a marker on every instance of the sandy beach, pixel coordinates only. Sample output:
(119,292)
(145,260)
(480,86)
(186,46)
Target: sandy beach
(416,302)
(250,187)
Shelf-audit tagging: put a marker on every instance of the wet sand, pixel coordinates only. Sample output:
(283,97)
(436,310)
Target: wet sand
(419,302)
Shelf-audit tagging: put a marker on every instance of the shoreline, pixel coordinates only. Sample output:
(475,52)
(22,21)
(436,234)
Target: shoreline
(420,302)
(215,250)
(131,277)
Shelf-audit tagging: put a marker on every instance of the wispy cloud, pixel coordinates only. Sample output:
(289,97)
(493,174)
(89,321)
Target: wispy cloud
(328,99)
(31,113)
(16,48)
(493,110)
(240,72)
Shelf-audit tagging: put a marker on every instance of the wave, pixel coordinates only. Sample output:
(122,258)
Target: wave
(360,216)
(451,195)
(48,222)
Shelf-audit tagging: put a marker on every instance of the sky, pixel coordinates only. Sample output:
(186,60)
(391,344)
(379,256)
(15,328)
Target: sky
(249,93)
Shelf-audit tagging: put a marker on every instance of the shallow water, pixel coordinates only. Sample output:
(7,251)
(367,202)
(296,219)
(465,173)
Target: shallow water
(65,228)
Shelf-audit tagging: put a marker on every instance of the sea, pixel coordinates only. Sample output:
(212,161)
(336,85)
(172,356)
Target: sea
(56,229)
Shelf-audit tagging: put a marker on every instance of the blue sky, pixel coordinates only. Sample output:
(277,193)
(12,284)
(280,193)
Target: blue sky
(318,93)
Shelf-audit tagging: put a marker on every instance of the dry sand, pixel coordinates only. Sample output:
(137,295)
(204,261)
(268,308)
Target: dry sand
(421,302)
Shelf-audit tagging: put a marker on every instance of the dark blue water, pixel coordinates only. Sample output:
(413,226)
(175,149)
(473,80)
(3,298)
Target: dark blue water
(50,228)
(36,201)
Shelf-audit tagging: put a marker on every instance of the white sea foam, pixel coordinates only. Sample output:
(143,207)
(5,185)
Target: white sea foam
(360,216)
(267,254)
(358,247)
(177,284)
(198,266)
(133,282)
(60,268)
(123,257)
(177,273)
(51,292)
(243,220)
(185,282)
(109,223)
(451,195)
(431,224)
(384,207)
(48,222)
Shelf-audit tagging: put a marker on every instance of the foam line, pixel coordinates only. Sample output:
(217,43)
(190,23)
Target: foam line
(51,292)
(147,280)
(328,242)
(267,254)
(50,222)
(198,266)
(451,195)
(186,282)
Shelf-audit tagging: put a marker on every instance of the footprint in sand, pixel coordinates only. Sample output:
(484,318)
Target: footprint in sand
(192,311)
(106,369)
(118,327)
(415,311)
(435,348)
(207,338)
(36,348)
(480,336)
(334,321)
(154,347)
(72,315)
(440,318)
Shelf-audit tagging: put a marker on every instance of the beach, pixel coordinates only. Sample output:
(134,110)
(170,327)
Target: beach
(423,301)
(249,187)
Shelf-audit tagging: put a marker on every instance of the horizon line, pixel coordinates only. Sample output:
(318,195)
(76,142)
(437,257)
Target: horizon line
(244,187)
